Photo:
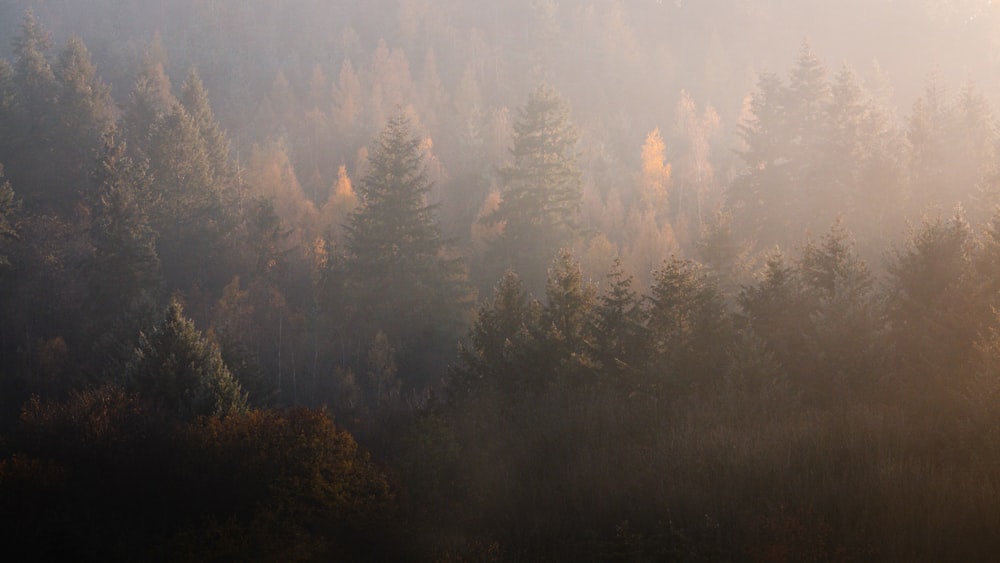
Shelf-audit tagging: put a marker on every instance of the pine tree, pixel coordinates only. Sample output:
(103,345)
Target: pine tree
(566,316)
(776,309)
(84,115)
(844,313)
(149,100)
(175,367)
(8,108)
(30,160)
(687,324)
(33,74)
(398,270)
(617,335)
(123,273)
(188,209)
(927,133)
(759,198)
(542,188)
(499,344)
(194,98)
(125,263)
(933,314)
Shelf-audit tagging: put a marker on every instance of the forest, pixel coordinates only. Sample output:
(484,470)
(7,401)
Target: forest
(439,280)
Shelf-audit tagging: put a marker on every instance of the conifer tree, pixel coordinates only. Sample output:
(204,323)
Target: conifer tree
(932,311)
(187,206)
(32,70)
(542,188)
(194,98)
(30,160)
(566,316)
(83,113)
(123,271)
(175,367)
(398,270)
(500,341)
(687,325)
(149,100)
(125,264)
(777,312)
(617,333)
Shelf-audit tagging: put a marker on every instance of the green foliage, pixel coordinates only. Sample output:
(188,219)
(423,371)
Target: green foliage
(566,317)
(83,114)
(194,98)
(497,352)
(617,335)
(687,324)
(125,263)
(540,204)
(399,275)
(176,368)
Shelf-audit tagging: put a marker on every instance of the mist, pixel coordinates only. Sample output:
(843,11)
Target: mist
(527,280)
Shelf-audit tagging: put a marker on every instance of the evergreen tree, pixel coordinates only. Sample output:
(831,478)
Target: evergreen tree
(30,160)
(187,206)
(398,271)
(687,325)
(927,133)
(125,266)
(542,188)
(194,98)
(497,353)
(8,108)
(932,311)
(175,367)
(83,113)
(566,316)
(149,100)
(844,313)
(33,74)
(760,197)
(617,333)
(777,311)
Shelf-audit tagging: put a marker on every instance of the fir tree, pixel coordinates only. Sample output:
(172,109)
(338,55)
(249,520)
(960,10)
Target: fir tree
(83,113)
(175,367)
(687,325)
(542,188)
(398,269)
(617,332)
(194,98)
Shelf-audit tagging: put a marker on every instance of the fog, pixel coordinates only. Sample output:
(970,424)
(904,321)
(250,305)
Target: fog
(524,280)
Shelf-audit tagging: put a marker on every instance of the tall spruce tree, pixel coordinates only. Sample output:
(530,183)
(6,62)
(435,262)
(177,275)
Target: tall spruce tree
(84,113)
(542,188)
(124,270)
(125,264)
(30,160)
(398,271)
(617,333)
(194,98)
